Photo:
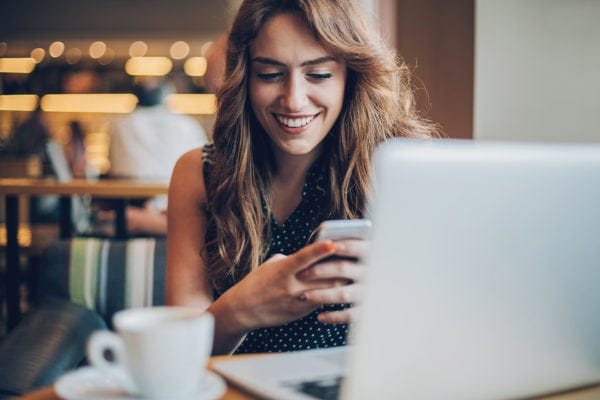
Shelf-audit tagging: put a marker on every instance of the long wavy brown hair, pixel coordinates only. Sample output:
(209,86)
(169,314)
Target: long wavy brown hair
(378,105)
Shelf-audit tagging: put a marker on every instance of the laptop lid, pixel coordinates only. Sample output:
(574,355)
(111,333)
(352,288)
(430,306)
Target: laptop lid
(484,272)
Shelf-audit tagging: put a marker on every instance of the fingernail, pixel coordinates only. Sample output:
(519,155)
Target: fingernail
(331,246)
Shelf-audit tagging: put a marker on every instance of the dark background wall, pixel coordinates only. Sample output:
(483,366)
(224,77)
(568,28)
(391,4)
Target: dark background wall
(436,38)
(60,19)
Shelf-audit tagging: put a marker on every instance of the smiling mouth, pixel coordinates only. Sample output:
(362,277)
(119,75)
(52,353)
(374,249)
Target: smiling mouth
(295,122)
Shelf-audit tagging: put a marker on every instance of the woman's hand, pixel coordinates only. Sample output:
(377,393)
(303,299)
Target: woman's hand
(342,277)
(273,294)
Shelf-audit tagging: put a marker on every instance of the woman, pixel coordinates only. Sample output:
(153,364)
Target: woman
(310,90)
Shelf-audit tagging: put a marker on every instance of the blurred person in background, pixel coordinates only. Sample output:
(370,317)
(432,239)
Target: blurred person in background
(75,150)
(76,81)
(29,138)
(145,145)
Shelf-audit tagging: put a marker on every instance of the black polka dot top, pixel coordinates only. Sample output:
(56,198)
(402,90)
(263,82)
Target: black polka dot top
(288,237)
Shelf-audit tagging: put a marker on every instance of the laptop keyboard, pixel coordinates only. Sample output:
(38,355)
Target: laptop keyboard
(323,389)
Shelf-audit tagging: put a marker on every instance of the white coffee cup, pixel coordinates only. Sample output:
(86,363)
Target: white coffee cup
(158,352)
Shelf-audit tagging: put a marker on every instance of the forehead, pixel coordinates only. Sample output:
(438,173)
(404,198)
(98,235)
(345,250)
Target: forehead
(287,38)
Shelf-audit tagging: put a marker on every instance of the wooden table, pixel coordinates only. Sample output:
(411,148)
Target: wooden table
(233,393)
(11,189)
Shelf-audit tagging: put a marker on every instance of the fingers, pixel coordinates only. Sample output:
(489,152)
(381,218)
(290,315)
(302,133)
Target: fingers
(339,317)
(352,248)
(343,269)
(335,295)
(309,255)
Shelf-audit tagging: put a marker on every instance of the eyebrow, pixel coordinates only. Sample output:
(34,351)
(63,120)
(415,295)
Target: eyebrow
(270,61)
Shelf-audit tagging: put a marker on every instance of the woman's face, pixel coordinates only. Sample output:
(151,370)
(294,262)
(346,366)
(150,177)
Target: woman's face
(296,86)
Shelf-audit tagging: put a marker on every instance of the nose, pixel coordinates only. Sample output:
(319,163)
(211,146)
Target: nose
(295,94)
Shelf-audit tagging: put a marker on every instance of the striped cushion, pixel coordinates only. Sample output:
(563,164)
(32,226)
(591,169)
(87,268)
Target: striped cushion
(106,275)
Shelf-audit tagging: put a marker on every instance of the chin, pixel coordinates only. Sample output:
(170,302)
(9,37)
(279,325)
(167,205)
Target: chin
(300,150)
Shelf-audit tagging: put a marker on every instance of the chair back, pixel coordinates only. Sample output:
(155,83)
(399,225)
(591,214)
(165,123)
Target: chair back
(106,275)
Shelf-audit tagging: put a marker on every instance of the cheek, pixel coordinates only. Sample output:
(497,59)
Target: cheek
(336,97)
(260,97)
(253,95)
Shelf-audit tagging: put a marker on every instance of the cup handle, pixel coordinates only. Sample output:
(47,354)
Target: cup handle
(97,345)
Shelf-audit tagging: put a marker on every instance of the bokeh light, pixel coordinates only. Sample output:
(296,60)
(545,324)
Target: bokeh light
(56,49)
(179,50)
(38,54)
(195,66)
(97,49)
(138,49)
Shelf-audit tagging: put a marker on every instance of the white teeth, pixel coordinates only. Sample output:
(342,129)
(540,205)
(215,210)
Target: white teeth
(294,122)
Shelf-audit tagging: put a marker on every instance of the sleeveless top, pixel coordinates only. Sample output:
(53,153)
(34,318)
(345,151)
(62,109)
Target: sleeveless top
(288,237)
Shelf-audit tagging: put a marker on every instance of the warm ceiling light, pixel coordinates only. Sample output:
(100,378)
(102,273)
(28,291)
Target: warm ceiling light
(138,49)
(179,50)
(38,54)
(56,49)
(73,55)
(148,66)
(195,66)
(184,103)
(97,49)
(18,102)
(19,65)
(100,103)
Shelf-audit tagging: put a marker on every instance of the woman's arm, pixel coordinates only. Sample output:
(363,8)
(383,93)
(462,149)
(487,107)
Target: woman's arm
(268,296)
(187,279)
(187,283)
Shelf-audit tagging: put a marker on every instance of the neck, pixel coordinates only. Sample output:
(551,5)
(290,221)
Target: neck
(287,184)
(294,167)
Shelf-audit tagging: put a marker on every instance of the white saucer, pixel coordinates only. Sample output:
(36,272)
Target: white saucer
(88,383)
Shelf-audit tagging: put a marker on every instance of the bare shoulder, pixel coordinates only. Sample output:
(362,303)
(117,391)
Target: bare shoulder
(188,177)
(191,159)
(187,282)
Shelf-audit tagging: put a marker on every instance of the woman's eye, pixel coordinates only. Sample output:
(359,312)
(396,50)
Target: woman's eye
(269,77)
(319,76)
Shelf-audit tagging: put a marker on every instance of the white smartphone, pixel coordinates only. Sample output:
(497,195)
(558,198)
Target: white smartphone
(339,229)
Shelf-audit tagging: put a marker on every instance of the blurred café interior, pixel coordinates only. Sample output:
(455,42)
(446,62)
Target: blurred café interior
(51,51)
(482,69)
(67,69)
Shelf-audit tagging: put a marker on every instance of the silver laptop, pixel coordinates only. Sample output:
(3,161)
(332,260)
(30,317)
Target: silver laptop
(484,280)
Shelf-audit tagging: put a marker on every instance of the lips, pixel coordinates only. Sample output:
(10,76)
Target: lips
(297,122)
